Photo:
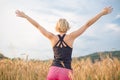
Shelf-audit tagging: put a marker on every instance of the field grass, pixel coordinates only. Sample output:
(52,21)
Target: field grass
(107,69)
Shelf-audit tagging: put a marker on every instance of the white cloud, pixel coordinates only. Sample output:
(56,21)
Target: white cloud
(118,16)
(112,27)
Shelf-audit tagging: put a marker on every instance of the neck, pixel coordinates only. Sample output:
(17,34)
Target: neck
(62,34)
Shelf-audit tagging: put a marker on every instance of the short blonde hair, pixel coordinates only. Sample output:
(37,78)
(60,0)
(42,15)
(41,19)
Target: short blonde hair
(62,26)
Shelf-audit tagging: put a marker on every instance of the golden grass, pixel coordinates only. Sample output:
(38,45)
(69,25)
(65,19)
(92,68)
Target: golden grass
(107,69)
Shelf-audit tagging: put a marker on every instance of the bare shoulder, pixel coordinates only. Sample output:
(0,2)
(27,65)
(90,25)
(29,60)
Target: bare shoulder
(54,40)
(69,37)
(69,40)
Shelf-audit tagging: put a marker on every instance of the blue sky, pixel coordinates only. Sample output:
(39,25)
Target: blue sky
(19,37)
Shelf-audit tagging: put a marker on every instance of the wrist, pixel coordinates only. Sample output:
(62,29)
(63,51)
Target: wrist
(25,16)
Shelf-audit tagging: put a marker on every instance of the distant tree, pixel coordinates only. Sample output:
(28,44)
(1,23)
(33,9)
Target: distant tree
(2,56)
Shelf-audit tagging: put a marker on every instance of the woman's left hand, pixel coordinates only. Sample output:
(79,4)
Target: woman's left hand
(107,10)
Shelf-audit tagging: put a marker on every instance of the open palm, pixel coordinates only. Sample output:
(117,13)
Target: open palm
(20,14)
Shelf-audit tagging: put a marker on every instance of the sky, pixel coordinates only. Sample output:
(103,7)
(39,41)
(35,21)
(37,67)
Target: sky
(19,38)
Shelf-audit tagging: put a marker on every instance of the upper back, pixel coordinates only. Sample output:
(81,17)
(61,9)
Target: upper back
(66,38)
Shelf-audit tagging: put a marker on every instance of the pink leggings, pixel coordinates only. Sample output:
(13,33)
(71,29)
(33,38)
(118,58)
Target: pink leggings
(58,73)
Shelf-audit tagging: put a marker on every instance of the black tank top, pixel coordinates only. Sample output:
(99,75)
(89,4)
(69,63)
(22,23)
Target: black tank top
(62,54)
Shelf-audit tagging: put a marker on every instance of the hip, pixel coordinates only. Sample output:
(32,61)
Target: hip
(59,73)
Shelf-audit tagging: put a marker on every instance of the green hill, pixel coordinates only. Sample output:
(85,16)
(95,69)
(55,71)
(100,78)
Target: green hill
(101,55)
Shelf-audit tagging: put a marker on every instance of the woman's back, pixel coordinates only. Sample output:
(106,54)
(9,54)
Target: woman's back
(62,53)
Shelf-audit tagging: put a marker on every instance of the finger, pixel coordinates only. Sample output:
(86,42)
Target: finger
(110,6)
(110,9)
(17,11)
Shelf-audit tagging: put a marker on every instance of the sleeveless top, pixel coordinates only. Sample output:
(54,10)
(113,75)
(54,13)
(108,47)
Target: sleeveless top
(62,54)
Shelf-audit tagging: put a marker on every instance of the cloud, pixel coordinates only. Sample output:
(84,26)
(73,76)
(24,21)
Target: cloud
(112,27)
(19,36)
(118,16)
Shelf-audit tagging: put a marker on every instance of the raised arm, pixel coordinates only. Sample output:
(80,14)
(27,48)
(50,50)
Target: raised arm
(78,32)
(33,22)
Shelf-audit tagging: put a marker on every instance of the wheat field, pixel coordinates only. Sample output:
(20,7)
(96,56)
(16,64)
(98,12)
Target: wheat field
(107,69)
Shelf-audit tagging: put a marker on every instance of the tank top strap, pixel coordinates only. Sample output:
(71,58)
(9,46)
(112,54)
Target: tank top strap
(61,37)
(61,42)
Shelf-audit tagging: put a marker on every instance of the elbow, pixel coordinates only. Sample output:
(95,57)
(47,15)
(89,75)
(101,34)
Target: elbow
(37,26)
(88,24)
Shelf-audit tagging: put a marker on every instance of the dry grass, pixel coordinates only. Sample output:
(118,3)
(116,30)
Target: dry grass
(107,69)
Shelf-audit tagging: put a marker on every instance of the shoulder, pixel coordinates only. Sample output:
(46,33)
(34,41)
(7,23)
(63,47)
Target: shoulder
(54,40)
(69,36)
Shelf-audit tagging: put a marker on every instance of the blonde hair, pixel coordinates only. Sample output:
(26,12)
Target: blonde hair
(62,26)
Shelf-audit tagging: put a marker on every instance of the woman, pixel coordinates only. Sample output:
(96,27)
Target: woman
(63,43)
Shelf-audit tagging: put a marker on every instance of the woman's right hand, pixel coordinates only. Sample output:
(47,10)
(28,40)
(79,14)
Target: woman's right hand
(20,14)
